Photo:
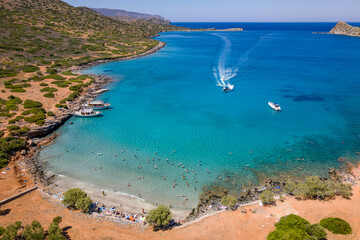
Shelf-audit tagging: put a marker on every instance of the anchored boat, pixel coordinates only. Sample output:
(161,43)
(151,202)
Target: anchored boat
(87,113)
(274,106)
(97,105)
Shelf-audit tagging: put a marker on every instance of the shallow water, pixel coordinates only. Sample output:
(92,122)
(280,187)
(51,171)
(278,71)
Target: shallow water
(170,101)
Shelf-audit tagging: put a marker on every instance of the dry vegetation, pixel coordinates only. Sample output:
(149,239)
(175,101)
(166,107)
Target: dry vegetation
(39,41)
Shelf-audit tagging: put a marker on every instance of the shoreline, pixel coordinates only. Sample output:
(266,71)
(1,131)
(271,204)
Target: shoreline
(101,81)
(46,135)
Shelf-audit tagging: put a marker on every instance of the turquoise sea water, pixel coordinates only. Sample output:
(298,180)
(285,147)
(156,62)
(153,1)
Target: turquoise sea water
(168,106)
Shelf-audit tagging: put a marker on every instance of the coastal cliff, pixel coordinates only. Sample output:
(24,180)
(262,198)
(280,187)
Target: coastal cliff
(342,28)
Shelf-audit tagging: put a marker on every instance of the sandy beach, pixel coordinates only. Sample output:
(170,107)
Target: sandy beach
(255,224)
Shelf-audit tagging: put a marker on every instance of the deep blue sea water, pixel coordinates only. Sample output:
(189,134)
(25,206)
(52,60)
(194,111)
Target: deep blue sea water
(168,109)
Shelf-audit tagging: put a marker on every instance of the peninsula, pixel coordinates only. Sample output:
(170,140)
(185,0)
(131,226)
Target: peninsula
(342,28)
(215,30)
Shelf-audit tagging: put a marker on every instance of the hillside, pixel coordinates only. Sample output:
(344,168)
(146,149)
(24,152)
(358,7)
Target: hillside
(343,28)
(130,16)
(40,40)
(33,31)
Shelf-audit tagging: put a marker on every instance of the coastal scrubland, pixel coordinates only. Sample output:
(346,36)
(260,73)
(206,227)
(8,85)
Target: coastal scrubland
(40,41)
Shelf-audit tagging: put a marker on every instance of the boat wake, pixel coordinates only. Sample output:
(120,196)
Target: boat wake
(222,73)
(225,75)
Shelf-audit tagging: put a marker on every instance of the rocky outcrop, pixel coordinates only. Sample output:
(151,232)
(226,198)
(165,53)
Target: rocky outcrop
(342,28)
(49,126)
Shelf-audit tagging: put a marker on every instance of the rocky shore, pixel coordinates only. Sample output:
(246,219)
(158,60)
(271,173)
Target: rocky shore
(342,28)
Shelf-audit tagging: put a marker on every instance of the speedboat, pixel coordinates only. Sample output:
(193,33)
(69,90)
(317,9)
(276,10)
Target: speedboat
(274,106)
(228,88)
(97,105)
(87,113)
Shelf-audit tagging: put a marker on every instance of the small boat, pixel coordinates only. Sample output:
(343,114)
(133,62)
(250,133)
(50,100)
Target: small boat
(97,105)
(228,88)
(274,106)
(87,113)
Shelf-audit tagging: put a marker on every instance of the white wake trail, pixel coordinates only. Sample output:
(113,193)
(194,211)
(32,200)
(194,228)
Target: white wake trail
(223,73)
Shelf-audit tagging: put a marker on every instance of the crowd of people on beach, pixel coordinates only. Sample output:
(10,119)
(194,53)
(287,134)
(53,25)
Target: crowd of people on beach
(112,212)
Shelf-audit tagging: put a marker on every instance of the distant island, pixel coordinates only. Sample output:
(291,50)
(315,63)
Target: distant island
(342,28)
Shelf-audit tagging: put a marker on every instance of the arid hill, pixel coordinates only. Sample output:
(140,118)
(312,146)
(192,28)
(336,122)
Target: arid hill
(342,28)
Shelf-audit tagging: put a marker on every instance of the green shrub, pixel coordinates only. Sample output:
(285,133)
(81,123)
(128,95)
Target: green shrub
(68,73)
(229,201)
(83,204)
(336,226)
(77,199)
(48,89)
(50,114)
(51,70)
(160,217)
(7,146)
(61,106)
(36,118)
(26,112)
(18,90)
(32,104)
(316,231)
(1,133)
(76,87)
(267,197)
(23,130)
(40,122)
(13,127)
(49,95)
(4,73)
(30,68)
(61,84)
(291,221)
(44,84)
(292,234)
(314,187)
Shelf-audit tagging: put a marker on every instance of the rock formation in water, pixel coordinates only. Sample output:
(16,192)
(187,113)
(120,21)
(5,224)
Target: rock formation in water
(343,28)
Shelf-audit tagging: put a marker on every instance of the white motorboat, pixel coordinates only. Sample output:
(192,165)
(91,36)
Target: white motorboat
(97,105)
(228,88)
(274,106)
(87,113)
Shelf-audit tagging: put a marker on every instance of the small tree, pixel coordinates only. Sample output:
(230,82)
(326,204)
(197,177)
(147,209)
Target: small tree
(11,231)
(229,201)
(34,231)
(54,230)
(78,199)
(159,217)
(267,197)
(83,204)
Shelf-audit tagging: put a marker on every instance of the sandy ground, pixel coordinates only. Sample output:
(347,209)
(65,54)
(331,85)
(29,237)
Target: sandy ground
(35,94)
(256,224)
